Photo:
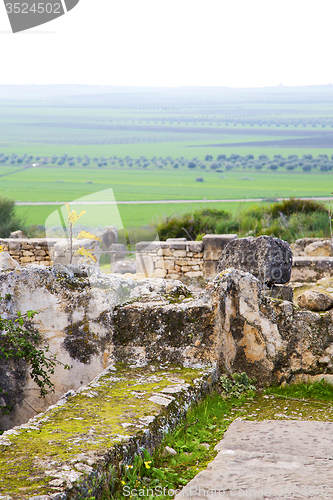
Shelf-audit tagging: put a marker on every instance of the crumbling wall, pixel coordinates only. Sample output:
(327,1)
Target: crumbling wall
(92,320)
(30,250)
(177,258)
(44,251)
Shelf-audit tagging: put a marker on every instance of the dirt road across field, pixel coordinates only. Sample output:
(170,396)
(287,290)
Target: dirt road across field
(157,202)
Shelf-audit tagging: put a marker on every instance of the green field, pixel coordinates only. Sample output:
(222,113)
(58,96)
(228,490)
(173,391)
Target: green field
(131,215)
(62,184)
(174,124)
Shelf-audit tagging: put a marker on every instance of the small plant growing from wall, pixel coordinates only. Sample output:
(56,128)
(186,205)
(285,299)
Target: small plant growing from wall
(73,217)
(20,340)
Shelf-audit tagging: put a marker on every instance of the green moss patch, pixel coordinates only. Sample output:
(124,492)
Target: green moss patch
(55,448)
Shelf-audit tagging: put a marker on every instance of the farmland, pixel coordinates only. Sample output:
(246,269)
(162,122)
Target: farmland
(257,143)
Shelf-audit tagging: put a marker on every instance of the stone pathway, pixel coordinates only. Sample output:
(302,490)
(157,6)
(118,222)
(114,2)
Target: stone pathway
(271,459)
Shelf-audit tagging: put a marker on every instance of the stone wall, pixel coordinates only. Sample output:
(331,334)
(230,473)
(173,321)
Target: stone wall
(178,258)
(312,259)
(32,250)
(44,251)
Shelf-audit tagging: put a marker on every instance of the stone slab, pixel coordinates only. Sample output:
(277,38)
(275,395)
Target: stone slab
(213,244)
(209,268)
(272,459)
(312,261)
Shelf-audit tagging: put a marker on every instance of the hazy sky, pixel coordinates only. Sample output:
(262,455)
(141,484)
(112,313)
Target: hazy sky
(175,42)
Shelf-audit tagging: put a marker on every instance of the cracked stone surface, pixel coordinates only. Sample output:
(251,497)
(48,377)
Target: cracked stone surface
(269,460)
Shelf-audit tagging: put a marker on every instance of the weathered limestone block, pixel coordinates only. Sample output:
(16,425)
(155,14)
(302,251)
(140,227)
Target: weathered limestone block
(300,244)
(181,262)
(178,253)
(7,262)
(174,276)
(250,340)
(24,260)
(213,244)
(321,248)
(181,333)
(124,267)
(14,245)
(17,234)
(109,237)
(185,268)
(280,292)
(210,268)
(62,250)
(315,301)
(159,273)
(311,269)
(194,274)
(177,243)
(144,264)
(194,246)
(27,246)
(267,258)
(165,264)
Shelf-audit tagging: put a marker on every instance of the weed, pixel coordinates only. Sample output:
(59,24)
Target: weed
(321,390)
(238,384)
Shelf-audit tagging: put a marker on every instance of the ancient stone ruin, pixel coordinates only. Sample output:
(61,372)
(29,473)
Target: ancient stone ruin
(142,349)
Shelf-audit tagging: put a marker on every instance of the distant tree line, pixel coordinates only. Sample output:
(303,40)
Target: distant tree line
(220,163)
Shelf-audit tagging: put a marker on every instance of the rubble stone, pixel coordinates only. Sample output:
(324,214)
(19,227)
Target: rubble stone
(315,301)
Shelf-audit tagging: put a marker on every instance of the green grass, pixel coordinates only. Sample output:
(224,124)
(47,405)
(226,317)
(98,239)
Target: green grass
(64,184)
(320,391)
(131,215)
(206,424)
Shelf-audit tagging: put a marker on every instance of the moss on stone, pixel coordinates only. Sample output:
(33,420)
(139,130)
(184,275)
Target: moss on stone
(103,414)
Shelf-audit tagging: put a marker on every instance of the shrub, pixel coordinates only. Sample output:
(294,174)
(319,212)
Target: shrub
(191,225)
(8,219)
(294,205)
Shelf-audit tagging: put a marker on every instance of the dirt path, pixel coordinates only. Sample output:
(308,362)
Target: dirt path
(157,202)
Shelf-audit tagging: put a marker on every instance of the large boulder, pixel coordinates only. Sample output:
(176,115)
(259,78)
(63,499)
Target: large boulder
(268,259)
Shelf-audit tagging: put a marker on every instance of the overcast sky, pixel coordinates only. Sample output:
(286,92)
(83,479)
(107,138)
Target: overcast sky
(238,43)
